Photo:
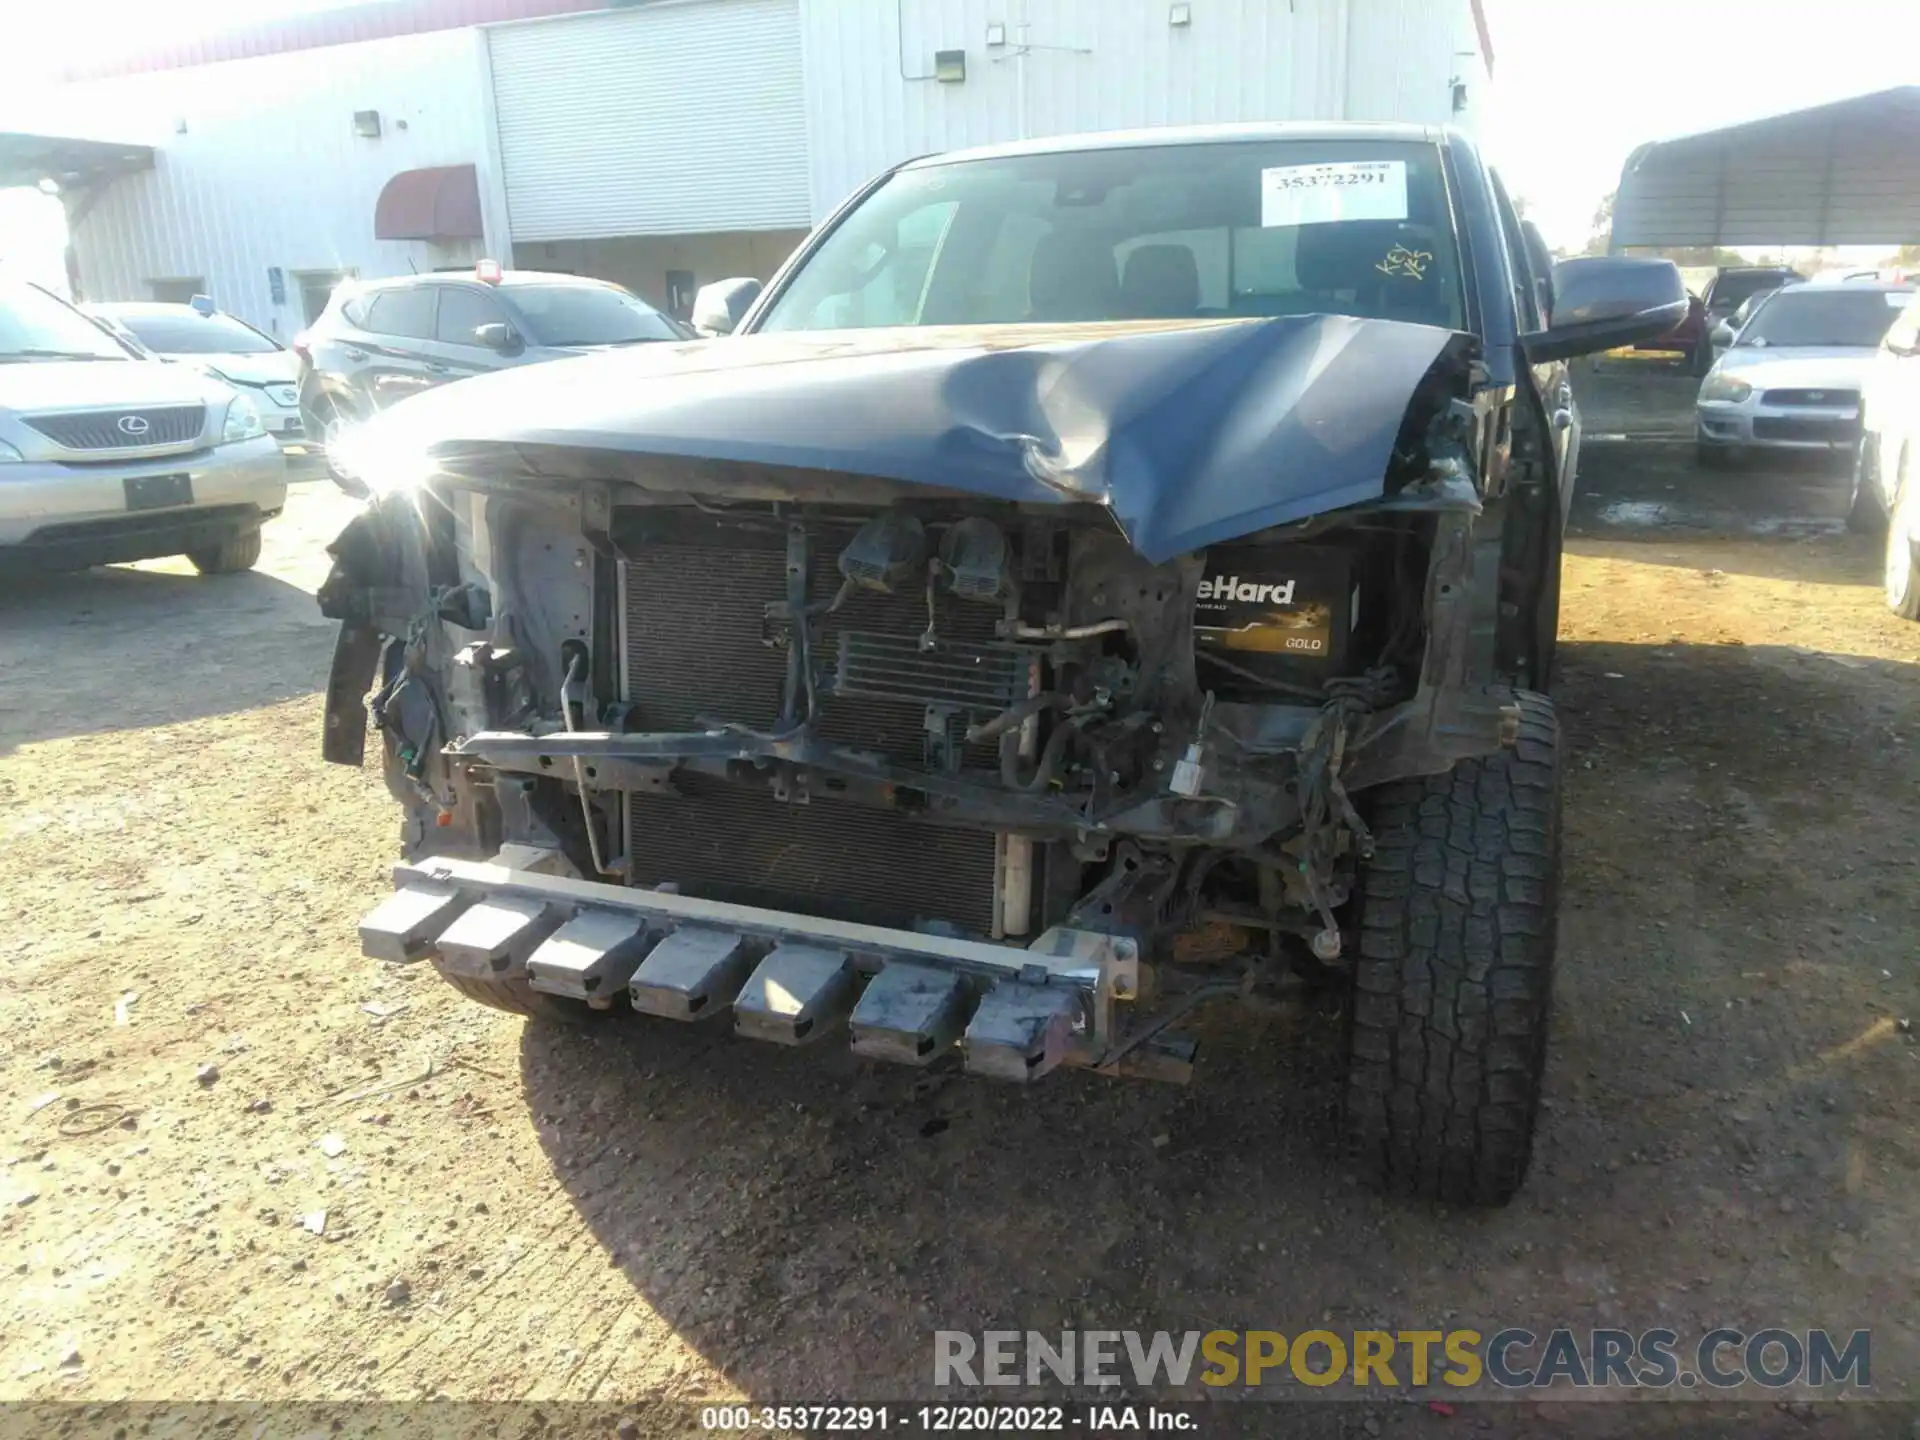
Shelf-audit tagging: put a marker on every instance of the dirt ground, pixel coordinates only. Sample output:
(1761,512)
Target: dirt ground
(243,1162)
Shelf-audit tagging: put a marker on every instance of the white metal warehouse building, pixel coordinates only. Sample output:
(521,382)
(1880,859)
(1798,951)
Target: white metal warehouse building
(663,143)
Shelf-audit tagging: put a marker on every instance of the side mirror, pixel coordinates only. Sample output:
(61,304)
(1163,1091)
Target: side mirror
(1722,335)
(1604,301)
(719,308)
(202,304)
(499,336)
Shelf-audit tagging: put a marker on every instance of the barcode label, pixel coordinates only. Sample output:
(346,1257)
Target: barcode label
(1337,190)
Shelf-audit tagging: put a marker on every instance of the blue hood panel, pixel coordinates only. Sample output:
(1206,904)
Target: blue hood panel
(1190,433)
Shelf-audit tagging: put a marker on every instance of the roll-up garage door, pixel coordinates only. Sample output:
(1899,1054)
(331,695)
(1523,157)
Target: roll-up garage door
(673,118)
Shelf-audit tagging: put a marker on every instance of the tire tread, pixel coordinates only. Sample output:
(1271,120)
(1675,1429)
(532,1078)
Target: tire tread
(1453,980)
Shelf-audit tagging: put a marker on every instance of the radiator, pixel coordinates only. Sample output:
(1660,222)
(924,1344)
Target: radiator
(695,654)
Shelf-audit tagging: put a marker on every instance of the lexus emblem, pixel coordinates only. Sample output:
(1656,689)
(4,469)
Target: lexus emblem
(1816,396)
(134,425)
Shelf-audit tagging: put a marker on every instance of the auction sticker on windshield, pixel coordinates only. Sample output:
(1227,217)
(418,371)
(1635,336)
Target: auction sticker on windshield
(1336,190)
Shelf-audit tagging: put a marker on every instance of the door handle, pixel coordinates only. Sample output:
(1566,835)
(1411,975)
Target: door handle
(434,367)
(353,354)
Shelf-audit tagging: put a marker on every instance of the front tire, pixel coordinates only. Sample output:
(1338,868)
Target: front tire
(230,556)
(1864,515)
(334,419)
(517,997)
(1453,983)
(1901,570)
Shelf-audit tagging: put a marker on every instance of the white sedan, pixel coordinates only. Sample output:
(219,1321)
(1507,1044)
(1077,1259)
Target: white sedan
(252,361)
(1792,377)
(1886,472)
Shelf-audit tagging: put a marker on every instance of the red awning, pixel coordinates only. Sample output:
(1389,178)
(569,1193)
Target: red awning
(438,204)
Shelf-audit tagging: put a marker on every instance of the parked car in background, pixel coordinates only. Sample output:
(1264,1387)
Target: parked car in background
(379,342)
(250,360)
(1732,286)
(1688,338)
(107,457)
(1886,471)
(1791,380)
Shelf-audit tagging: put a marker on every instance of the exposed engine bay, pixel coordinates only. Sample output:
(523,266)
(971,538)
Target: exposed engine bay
(946,714)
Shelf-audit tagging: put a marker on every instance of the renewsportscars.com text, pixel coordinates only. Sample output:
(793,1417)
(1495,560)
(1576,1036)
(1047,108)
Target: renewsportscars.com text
(1509,1359)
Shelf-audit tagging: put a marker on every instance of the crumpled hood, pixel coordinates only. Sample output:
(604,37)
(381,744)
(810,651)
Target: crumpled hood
(1189,432)
(1799,367)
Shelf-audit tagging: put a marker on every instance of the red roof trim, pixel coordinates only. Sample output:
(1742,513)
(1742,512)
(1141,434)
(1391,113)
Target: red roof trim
(348,25)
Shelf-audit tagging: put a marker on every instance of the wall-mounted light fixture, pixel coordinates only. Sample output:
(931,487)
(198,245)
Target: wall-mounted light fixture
(366,123)
(950,66)
(996,35)
(1178,15)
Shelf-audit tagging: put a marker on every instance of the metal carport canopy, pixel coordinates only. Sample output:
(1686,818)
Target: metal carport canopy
(1841,174)
(68,160)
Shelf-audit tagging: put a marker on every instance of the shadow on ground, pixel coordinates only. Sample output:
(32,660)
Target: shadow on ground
(807,1221)
(120,648)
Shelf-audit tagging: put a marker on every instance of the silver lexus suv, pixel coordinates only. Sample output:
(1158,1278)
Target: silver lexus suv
(106,457)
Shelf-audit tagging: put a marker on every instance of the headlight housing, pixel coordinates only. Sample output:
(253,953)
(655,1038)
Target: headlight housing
(243,421)
(1727,389)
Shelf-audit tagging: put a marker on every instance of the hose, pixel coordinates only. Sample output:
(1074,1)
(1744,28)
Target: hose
(1067,632)
(1015,715)
(1045,768)
(576,675)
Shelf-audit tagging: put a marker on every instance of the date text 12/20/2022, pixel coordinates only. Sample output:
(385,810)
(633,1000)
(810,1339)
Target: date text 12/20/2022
(946,1419)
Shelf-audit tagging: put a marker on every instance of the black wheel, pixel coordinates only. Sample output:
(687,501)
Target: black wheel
(1454,978)
(233,554)
(1864,516)
(517,997)
(1902,569)
(329,422)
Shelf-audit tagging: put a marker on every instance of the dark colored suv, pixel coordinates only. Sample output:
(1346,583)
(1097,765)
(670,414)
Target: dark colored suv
(384,340)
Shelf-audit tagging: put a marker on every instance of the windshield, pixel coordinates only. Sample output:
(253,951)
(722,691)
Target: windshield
(35,326)
(192,334)
(588,315)
(1225,229)
(1732,290)
(1826,316)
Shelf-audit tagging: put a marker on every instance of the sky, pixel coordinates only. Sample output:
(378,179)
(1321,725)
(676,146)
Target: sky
(1577,83)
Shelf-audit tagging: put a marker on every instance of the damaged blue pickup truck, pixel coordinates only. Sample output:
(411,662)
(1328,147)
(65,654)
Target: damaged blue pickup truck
(1093,579)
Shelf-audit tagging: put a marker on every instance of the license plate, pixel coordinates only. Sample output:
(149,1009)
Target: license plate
(156,492)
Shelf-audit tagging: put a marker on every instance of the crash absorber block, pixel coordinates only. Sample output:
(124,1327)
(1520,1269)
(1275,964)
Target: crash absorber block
(402,927)
(692,973)
(795,995)
(591,957)
(910,1014)
(491,940)
(1020,1032)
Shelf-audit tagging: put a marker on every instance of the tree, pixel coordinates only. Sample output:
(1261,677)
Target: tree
(1602,235)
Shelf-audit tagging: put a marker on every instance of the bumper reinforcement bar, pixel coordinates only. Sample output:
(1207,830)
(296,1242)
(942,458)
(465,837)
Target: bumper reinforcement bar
(1015,1013)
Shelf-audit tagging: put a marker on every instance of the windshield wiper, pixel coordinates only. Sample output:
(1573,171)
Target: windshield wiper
(9,355)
